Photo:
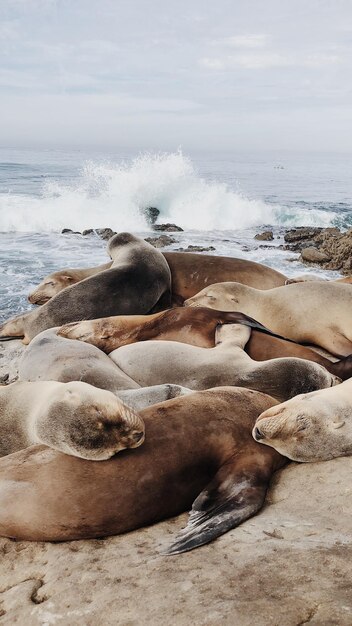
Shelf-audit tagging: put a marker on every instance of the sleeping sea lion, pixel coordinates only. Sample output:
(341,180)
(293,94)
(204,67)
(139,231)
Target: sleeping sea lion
(197,446)
(190,273)
(138,280)
(155,362)
(304,278)
(50,357)
(56,282)
(75,418)
(311,427)
(195,326)
(317,313)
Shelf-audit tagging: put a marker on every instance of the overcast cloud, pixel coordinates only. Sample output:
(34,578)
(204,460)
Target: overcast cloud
(225,74)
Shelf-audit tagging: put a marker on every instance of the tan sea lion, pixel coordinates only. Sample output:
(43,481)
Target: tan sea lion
(50,357)
(75,418)
(56,282)
(155,362)
(317,313)
(311,427)
(195,326)
(197,446)
(190,273)
(139,279)
(304,278)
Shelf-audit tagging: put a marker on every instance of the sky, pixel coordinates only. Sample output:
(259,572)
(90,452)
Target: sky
(163,74)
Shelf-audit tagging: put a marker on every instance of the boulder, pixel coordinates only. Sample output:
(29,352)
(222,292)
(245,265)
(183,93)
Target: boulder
(197,249)
(69,231)
(160,242)
(105,233)
(313,255)
(151,214)
(266,235)
(168,228)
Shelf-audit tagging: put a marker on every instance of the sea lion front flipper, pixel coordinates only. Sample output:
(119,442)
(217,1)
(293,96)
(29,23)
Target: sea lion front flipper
(236,493)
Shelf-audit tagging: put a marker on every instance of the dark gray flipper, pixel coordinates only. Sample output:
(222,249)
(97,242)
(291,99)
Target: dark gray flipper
(236,493)
(246,320)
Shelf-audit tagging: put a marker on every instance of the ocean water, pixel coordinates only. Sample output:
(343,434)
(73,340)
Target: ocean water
(219,199)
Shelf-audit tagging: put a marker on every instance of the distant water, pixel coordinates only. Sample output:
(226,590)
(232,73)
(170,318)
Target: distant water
(219,199)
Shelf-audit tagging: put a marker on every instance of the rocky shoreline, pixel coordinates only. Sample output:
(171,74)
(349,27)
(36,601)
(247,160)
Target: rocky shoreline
(326,248)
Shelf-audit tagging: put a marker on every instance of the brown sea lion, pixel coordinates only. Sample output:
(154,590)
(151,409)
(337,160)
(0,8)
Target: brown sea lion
(156,362)
(311,427)
(74,418)
(190,273)
(196,444)
(318,313)
(138,280)
(56,282)
(195,326)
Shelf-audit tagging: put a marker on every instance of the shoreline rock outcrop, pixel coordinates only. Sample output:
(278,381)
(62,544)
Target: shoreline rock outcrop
(330,248)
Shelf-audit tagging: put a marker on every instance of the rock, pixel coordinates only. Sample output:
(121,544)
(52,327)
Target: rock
(4,378)
(196,249)
(105,233)
(89,231)
(151,214)
(160,242)
(168,227)
(304,232)
(313,255)
(267,235)
(69,231)
(291,564)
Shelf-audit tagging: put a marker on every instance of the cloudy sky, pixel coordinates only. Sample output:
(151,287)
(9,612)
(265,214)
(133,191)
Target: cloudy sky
(201,74)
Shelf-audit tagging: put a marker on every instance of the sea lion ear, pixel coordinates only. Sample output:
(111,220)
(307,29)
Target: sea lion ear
(234,495)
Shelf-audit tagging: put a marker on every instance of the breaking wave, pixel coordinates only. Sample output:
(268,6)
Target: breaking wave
(107,194)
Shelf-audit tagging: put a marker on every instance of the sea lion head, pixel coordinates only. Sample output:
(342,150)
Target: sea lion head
(306,428)
(87,422)
(119,240)
(50,286)
(221,296)
(96,332)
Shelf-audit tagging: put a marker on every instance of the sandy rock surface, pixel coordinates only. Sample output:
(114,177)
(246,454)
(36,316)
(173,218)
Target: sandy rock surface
(288,566)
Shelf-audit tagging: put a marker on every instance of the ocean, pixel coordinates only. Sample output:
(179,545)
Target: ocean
(219,199)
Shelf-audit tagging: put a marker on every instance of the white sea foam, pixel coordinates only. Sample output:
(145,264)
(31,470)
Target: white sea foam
(113,195)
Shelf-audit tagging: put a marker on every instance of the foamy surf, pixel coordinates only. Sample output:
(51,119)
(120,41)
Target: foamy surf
(115,195)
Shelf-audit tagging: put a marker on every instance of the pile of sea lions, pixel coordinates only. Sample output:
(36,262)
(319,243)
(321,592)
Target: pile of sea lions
(149,384)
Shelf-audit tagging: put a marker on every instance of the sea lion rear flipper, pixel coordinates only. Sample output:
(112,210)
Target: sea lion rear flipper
(236,493)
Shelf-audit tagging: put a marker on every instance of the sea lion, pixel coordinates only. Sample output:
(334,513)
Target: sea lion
(74,418)
(50,357)
(195,326)
(138,280)
(56,282)
(196,444)
(190,273)
(226,364)
(143,397)
(311,427)
(317,313)
(304,278)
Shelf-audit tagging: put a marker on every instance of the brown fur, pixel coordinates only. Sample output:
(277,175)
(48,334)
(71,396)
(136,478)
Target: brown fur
(190,440)
(195,326)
